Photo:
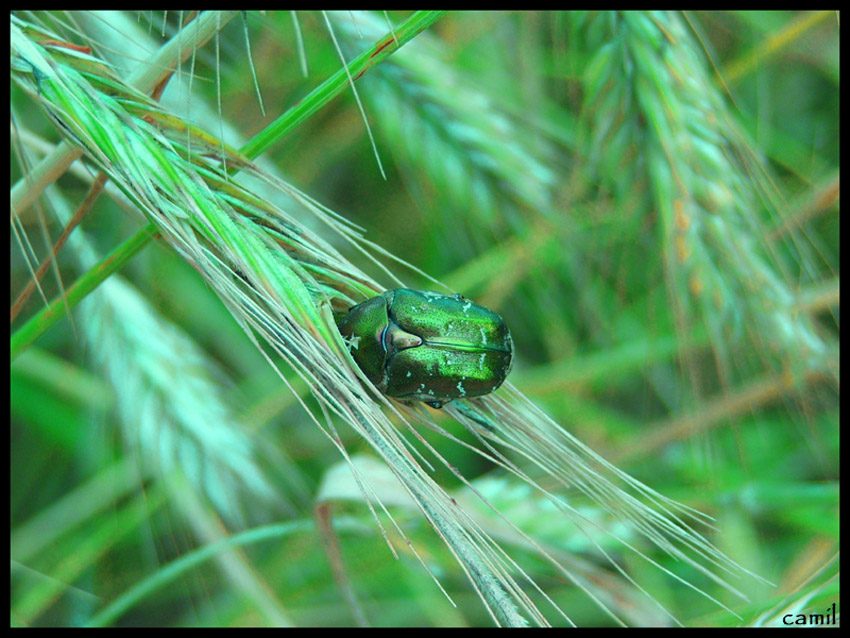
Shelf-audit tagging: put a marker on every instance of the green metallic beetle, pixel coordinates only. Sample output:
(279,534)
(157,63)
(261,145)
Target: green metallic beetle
(424,346)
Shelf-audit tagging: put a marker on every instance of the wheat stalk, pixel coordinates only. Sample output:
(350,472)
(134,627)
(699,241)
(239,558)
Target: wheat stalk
(475,155)
(655,121)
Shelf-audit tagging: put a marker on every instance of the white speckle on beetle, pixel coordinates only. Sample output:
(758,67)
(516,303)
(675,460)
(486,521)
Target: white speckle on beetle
(409,374)
(483,336)
(481,359)
(461,389)
(353,342)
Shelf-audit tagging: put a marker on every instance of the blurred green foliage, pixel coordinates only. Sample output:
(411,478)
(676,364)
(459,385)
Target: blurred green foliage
(526,170)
